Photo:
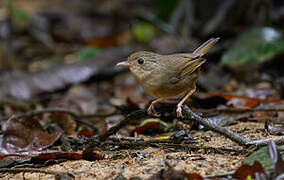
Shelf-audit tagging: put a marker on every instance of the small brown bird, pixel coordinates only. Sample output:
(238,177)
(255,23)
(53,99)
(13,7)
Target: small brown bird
(165,76)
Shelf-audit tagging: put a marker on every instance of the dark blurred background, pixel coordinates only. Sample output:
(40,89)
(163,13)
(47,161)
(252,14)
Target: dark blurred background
(47,46)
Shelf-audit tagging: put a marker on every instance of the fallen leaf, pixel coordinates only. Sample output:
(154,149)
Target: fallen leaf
(88,53)
(242,101)
(57,155)
(149,126)
(193,176)
(260,114)
(89,155)
(78,99)
(262,157)
(246,170)
(24,85)
(25,135)
(37,157)
(85,133)
(274,129)
(276,157)
(65,121)
(255,45)
(109,41)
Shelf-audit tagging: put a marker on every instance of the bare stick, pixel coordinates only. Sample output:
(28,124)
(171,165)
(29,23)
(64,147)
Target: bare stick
(164,144)
(211,126)
(225,132)
(267,140)
(190,115)
(116,128)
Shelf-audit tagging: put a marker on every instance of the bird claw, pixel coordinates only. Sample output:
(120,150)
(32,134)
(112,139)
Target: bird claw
(151,111)
(179,112)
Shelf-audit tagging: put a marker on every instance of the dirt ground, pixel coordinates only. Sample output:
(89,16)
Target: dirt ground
(145,162)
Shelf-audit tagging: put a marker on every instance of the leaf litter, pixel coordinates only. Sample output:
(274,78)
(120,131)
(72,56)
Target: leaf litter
(58,136)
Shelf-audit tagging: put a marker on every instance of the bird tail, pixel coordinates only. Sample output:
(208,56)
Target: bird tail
(201,50)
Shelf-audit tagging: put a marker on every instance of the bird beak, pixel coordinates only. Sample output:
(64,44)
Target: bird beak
(124,63)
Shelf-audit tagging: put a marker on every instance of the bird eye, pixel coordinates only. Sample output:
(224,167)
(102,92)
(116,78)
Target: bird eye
(140,61)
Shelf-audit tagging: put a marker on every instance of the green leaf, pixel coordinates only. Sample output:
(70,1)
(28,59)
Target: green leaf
(255,45)
(168,127)
(261,156)
(165,8)
(88,53)
(17,13)
(149,121)
(249,177)
(20,14)
(143,32)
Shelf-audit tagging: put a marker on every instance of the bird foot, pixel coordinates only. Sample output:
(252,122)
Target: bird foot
(179,112)
(151,111)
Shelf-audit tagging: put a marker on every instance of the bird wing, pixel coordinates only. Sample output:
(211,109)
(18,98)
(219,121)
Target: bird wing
(182,65)
(191,66)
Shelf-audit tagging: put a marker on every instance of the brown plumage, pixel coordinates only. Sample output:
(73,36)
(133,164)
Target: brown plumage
(165,76)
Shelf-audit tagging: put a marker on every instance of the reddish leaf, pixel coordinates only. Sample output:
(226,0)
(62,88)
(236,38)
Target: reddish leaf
(246,170)
(25,135)
(260,114)
(3,156)
(193,176)
(58,155)
(246,101)
(45,156)
(110,41)
(89,155)
(86,133)
(144,128)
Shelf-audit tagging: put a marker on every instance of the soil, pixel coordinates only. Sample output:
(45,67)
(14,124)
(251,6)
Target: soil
(224,157)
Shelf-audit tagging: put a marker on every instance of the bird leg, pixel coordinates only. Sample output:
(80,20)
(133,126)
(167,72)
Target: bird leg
(151,110)
(179,109)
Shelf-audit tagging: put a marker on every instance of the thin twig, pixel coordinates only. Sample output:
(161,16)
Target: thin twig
(211,126)
(267,140)
(116,128)
(225,132)
(187,112)
(190,115)
(158,143)
(132,139)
